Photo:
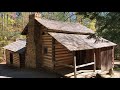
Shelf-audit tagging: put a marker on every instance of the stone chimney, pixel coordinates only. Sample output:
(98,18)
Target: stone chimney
(31,56)
(35,15)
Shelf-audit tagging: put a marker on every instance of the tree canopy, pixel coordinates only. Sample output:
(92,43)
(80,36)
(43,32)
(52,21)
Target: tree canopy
(107,25)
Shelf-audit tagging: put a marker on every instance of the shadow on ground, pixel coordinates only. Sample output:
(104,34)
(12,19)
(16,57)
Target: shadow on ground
(11,72)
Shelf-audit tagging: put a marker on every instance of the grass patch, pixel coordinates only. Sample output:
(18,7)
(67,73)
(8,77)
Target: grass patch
(117,67)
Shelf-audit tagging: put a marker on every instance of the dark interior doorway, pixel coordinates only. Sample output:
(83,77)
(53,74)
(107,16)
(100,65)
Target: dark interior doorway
(22,60)
(11,58)
(83,57)
(80,57)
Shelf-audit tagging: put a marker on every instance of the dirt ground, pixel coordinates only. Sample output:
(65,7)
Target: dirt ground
(10,72)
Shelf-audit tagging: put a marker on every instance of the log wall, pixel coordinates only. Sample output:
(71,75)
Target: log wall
(47,55)
(16,60)
(62,55)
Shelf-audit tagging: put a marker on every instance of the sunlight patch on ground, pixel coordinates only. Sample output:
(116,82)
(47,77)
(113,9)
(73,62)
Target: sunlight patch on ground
(5,77)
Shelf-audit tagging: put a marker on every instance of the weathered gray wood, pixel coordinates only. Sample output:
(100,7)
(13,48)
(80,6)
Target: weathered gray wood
(94,61)
(62,56)
(112,57)
(75,70)
(53,52)
(83,65)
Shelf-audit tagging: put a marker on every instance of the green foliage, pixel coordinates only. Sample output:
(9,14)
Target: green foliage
(107,25)
(11,27)
(60,16)
(87,19)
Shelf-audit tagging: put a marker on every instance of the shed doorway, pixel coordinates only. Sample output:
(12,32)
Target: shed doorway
(11,58)
(22,60)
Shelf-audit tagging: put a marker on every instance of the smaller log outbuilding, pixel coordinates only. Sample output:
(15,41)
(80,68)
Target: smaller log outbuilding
(14,53)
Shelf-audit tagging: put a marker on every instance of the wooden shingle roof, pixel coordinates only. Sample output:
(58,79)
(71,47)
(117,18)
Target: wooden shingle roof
(16,46)
(74,42)
(59,26)
(64,26)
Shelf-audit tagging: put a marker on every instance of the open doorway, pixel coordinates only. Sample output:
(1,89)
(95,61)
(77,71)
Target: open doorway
(11,58)
(80,57)
(22,60)
(84,57)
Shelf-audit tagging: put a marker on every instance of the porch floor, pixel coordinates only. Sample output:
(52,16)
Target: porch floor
(69,73)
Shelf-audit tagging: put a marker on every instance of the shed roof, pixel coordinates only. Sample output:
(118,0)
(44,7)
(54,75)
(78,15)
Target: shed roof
(59,26)
(74,42)
(16,46)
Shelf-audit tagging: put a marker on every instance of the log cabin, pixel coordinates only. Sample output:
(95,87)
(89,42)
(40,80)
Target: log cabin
(14,53)
(56,45)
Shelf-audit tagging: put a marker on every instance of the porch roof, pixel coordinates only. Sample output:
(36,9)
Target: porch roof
(75,42)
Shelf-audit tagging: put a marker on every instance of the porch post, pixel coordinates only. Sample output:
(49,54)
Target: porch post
(112,57)
(75,70)
(94,61)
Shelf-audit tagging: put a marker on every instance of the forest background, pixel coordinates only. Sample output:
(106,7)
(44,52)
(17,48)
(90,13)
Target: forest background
(105,24)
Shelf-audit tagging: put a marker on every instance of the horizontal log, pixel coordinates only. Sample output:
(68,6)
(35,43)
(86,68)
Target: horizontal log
(46,40)
(59,47)
(64,58)
(62,52)
(63,55)
(50,51)
(66,65)
(47,37)
(47,43)
(49,46)
(64,62)
(57,63)
(47,64)
(83,65)
(47,60)
(58,44)
(49,54)
(48,57)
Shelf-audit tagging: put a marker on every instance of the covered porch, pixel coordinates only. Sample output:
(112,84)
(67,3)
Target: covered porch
(81,67)
(91,54)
